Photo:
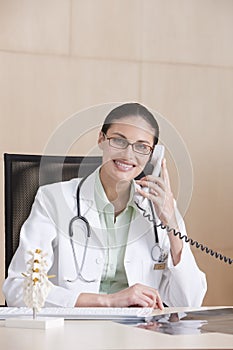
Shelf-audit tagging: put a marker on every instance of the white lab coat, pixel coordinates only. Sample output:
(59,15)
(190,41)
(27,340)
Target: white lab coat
(47,228)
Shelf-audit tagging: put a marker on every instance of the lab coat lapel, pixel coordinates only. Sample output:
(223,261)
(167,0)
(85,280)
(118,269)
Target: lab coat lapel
(137,247)
(139,227)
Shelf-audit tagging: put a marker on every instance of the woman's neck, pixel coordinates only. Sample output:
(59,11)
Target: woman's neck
(117,192)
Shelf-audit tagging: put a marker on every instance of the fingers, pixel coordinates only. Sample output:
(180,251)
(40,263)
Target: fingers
(154,295)
(154,182)
(159,192)
(152,192)
(142,300)
(151,181)
(136,295)
(155,188)
(146,296)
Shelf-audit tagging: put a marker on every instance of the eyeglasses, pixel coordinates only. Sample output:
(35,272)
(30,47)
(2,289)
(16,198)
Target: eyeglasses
(121,143)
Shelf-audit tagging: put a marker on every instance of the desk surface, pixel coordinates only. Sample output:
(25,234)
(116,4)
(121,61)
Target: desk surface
(107,335)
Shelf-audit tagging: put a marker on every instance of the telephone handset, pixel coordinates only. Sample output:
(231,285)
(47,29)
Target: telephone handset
(156,161)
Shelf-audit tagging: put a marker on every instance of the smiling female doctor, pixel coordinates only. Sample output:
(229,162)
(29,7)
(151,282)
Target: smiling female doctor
(111,263)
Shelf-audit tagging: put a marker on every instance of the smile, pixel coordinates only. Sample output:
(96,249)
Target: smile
(123,166)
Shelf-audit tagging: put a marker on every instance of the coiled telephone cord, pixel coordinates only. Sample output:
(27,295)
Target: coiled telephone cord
(192,242)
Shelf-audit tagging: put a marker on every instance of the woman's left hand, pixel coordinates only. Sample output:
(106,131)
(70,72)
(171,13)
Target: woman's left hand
(160,194)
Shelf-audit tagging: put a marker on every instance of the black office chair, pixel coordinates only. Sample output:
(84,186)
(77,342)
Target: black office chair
(23,175)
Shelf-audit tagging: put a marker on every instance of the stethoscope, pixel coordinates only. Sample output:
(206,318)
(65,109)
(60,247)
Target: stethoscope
(157,253)
(71,234)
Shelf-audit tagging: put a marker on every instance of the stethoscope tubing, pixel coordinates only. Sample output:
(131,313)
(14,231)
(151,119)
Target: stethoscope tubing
(71,234)
(156,250)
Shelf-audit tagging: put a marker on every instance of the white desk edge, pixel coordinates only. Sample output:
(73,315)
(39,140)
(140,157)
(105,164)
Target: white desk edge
(109,335)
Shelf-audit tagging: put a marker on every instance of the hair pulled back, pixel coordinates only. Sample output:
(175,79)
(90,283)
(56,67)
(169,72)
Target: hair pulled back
(131,109)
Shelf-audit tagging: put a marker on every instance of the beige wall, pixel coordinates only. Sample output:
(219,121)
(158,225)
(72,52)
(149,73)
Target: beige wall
(60,56)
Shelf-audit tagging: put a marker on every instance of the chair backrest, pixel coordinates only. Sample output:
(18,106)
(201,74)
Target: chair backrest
(23,175)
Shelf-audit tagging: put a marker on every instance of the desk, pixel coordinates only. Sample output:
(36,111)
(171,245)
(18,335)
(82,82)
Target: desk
(102,335)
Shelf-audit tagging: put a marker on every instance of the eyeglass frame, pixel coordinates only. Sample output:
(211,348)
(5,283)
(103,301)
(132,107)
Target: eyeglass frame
(129,144)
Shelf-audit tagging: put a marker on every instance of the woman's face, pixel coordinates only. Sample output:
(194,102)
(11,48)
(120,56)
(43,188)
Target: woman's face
(125,164)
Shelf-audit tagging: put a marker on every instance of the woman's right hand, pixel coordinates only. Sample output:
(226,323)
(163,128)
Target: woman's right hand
(137,295)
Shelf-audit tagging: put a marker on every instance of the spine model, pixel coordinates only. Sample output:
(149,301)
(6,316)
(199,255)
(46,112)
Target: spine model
(36,284)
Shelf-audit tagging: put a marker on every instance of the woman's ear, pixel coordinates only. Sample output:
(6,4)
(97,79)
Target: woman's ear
(101,139)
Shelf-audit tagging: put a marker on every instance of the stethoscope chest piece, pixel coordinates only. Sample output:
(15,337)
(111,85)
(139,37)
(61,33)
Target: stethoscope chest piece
(158,254)
(159,257)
